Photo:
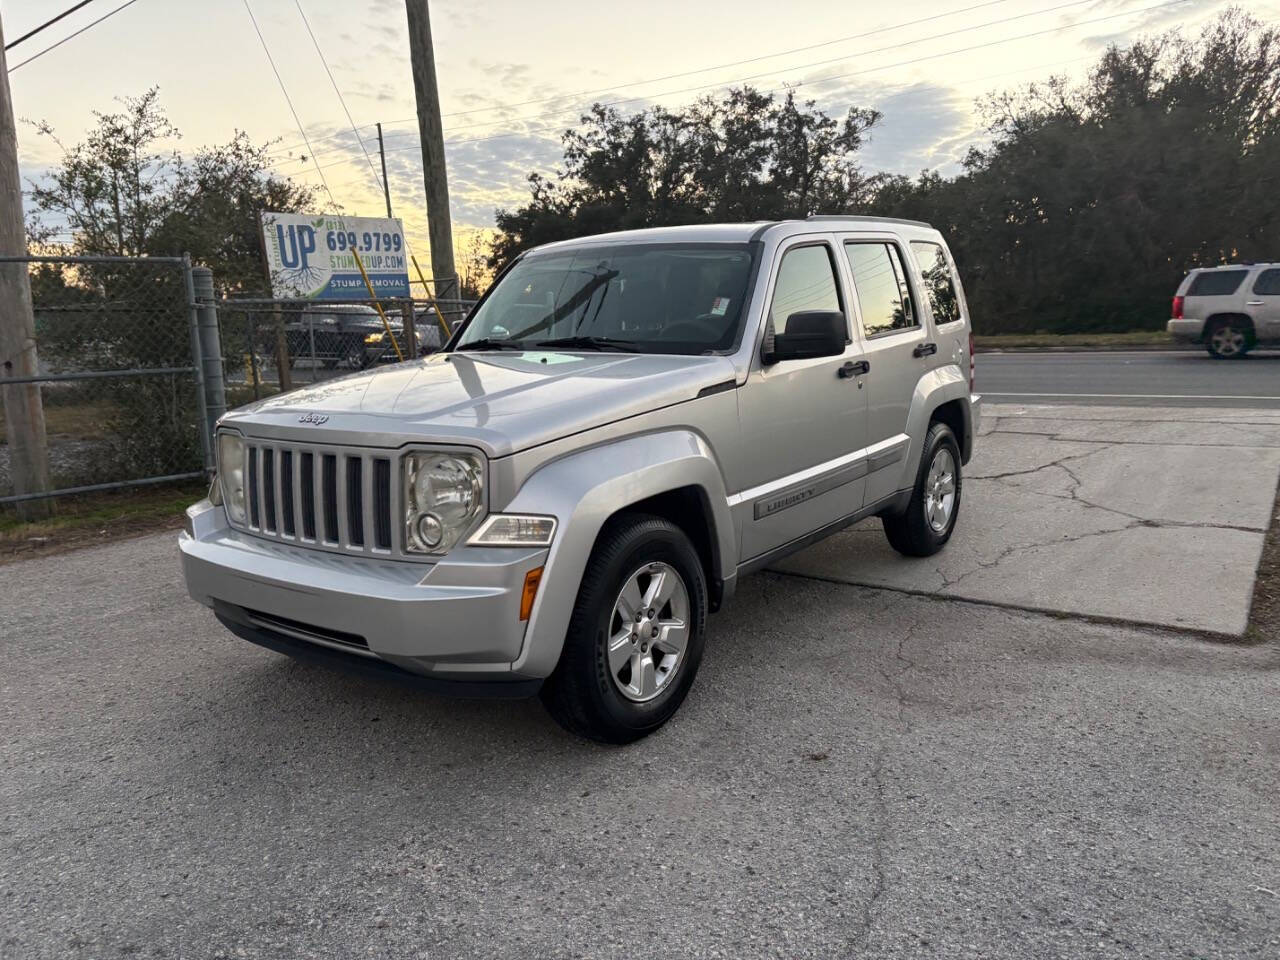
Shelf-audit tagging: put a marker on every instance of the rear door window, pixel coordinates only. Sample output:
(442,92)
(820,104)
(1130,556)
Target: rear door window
(1268,284)
(1216,283)
(939,285)
(882,287)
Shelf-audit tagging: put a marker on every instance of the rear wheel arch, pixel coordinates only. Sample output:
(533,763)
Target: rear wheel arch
(955,414)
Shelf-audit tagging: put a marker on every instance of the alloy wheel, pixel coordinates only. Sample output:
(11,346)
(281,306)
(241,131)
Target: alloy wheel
(940,490)
(648,631)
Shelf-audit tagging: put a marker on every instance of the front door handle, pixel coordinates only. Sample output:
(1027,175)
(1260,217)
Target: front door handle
(1253,303)
(854,368)
(924,349)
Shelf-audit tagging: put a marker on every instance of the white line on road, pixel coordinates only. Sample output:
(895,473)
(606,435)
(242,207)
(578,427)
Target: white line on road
(1133,396)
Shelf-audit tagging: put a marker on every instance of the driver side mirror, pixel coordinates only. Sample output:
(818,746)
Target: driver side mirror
(810,333)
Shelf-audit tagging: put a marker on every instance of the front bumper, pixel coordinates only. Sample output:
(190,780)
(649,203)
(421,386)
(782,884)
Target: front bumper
(1186,331)
(455,620)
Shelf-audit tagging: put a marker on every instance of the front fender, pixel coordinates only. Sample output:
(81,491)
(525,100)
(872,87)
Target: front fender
(584,490)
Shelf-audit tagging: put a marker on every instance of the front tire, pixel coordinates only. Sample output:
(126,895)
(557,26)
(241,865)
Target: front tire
(636,635)
(926,525)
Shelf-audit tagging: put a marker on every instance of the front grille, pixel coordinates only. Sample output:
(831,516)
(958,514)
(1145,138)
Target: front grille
(324,497)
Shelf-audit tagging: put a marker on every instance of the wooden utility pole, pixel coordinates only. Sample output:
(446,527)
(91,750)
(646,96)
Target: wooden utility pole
(439,227)
(23,409)
(386,184)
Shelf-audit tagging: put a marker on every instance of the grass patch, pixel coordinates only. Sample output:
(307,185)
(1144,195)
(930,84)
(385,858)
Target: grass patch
(79,421)
(1135,338)
(96,518)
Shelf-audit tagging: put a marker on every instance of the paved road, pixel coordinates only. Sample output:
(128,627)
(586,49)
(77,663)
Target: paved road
(1181,378)
(857,773)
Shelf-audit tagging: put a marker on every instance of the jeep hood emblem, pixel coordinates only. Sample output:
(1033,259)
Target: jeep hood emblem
(316,418)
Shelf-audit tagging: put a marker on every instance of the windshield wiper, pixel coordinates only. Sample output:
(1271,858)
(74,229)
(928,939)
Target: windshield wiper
(591,343)
(488,343)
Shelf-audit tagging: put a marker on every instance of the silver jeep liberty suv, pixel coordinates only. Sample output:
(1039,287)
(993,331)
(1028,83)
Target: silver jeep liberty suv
(625,426)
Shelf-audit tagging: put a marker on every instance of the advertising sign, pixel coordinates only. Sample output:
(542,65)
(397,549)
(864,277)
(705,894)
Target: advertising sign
(311,257)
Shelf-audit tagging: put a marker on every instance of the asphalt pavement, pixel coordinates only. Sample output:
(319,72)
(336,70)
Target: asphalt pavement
(1168,378)
(856,773)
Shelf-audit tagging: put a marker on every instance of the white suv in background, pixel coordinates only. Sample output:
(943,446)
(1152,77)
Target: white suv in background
(1230,309)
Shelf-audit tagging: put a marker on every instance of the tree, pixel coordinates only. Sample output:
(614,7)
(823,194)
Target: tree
(1083,211)
(1093,200)
(121,192)
(744,156)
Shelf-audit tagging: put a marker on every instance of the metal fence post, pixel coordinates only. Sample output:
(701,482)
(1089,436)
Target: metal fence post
(410,331)
(206,438)
(215,391)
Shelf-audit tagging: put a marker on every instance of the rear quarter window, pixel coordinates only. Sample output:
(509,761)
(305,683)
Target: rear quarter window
(939,286)
(1216,283)
(1268,284)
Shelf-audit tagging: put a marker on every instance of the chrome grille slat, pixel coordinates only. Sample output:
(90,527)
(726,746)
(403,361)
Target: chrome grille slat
(370,524)
(344,523)
(262,491)
(295,482)
(332,498)
(251,484)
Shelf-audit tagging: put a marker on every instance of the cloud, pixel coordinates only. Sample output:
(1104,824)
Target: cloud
(1144,21)
(923,124)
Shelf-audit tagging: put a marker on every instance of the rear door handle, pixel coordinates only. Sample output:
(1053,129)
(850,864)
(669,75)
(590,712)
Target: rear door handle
(924,349)
(853,368)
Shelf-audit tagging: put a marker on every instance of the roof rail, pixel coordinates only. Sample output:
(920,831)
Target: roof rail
(856,216)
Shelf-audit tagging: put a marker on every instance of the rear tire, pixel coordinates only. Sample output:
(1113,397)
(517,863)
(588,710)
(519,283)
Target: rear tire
(1229,339)
(607,688)
(926,525)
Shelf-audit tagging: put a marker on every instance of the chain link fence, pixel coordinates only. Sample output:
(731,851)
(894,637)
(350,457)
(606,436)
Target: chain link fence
(271,345)
(117,377)
(130,351)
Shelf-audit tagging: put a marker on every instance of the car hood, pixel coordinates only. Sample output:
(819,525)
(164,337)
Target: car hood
(501,402)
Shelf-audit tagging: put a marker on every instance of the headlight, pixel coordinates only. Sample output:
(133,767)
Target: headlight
(443,496)
(231,475)
(514,530)
(374,337)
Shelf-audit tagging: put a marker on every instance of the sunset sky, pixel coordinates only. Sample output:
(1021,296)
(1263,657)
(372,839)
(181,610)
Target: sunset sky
(514,73)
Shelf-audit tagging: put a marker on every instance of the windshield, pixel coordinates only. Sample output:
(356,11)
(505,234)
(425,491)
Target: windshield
(648,298)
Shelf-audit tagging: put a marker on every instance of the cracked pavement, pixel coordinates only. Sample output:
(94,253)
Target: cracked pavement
(856,773)
(1144,514)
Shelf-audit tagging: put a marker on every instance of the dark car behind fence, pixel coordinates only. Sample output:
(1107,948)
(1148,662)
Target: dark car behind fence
(138,357)
(270,345)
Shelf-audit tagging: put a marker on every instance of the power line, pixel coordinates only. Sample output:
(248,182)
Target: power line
(689,73)
(48,23)
(287,98)
(341,99)
(70,36)
(831,79)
